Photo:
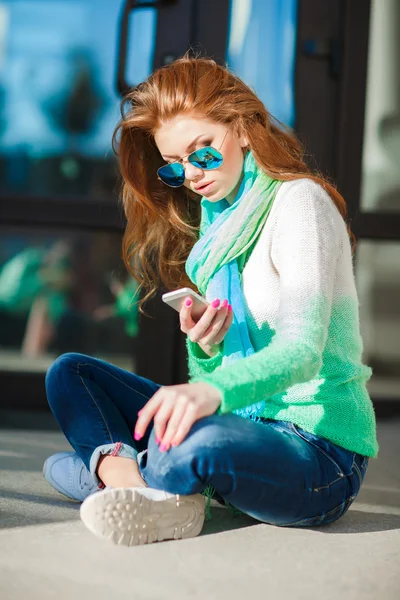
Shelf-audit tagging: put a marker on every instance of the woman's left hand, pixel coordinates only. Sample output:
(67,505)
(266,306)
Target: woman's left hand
(175,408)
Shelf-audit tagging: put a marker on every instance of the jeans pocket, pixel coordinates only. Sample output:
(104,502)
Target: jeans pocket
(360,465)
(364,465)
(324,446)
(325,518)
(359,474)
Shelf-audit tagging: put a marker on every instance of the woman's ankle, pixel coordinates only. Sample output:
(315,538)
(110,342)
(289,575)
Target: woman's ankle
(117,471)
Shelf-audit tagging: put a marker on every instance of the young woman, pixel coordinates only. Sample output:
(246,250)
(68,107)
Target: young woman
(276,420)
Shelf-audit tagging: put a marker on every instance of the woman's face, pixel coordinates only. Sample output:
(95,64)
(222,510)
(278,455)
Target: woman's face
(186,133)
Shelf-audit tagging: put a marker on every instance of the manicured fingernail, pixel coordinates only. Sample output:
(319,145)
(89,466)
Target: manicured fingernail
(137,436)
(224,303)
(163,448)
(215,303)
(188,302)
(230,308)
(157,440)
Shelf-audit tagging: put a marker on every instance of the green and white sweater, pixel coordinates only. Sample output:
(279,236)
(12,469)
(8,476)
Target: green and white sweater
(302,313)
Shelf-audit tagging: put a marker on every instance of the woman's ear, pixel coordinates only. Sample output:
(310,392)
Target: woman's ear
(242,137)
(244,142)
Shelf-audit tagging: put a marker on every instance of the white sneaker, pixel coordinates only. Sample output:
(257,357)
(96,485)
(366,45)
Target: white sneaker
(66,472)
(142,515)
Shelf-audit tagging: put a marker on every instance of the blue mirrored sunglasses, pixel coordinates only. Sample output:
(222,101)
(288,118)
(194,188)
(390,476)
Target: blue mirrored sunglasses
(208,158)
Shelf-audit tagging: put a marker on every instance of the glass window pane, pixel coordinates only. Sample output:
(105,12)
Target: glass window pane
(64,292)
(261,51)
(381,155)
(58,100)
(140,52)
(378,285)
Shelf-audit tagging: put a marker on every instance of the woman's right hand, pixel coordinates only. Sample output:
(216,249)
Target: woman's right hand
(210,330)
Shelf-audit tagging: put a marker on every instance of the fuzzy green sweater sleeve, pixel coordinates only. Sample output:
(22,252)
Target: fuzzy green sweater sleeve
(200,363)
(305,252)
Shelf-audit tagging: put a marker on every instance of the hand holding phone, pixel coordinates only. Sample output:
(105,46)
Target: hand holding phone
(177,298)
(210,329)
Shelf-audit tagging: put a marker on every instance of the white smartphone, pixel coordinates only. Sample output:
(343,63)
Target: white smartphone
(177,297)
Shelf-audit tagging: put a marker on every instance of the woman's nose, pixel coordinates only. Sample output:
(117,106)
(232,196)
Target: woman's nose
(192,172)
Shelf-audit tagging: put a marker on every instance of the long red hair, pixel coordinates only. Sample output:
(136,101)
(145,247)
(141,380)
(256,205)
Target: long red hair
(162,222)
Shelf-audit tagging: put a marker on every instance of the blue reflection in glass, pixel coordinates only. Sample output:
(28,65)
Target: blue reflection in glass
(206,158)
(58,100)
(262,50)
(173,174)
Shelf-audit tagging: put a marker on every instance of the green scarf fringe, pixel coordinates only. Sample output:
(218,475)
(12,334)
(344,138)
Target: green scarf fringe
(209,493)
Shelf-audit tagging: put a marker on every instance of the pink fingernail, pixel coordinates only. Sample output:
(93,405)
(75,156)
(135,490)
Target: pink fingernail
(188,302)
(158,440)
(225,302)
(137,436)
(230,308)
(215,303)
(163,448)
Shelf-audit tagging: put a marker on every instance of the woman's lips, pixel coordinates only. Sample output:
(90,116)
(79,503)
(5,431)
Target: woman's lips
(205,188)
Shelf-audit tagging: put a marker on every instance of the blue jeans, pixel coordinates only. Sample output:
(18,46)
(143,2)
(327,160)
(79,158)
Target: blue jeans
(272,470)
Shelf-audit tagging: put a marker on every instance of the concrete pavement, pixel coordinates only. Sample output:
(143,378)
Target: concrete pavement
(46,552)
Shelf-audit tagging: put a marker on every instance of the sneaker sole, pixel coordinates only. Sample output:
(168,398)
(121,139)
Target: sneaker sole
(128,518)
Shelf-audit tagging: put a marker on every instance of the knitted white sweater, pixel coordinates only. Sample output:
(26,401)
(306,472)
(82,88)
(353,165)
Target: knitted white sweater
(302,314)
(303,251)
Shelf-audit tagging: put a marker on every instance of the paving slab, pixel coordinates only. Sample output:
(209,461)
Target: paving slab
(46,552)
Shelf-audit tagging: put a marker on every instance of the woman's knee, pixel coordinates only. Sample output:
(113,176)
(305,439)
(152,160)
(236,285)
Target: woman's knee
(203,433)
(202,438)
(56,373)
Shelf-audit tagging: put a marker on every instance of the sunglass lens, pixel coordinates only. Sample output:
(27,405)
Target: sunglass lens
(173,175)
(206,158)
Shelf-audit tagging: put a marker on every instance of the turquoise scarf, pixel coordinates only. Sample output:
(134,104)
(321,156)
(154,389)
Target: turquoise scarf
(228,234)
